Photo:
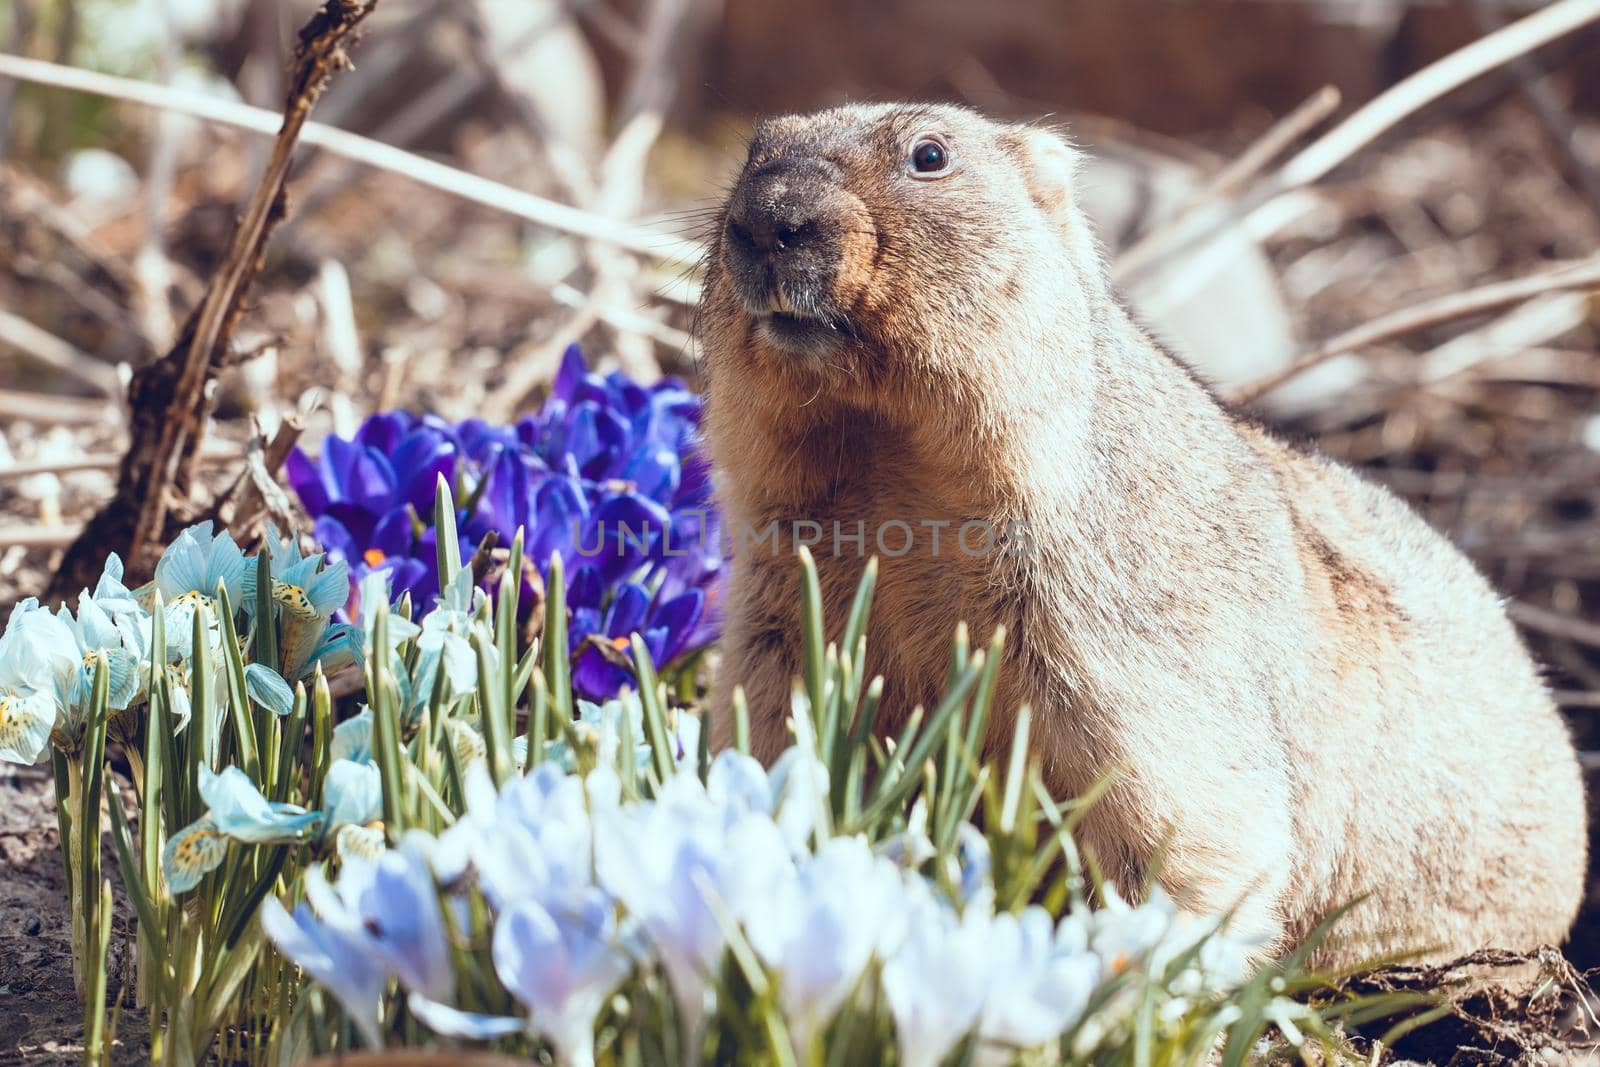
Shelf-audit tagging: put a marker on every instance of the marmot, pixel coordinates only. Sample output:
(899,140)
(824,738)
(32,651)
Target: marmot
(1309,694)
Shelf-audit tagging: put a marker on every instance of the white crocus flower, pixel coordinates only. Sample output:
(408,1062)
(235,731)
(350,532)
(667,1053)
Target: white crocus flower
(1042,981)
(937,979)
(819,930)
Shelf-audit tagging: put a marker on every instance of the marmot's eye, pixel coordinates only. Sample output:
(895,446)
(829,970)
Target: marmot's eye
(929,158)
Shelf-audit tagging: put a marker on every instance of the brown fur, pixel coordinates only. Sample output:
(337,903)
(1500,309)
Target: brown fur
(1309,694)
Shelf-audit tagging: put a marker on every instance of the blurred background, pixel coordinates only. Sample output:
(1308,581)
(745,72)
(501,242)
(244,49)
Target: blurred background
(1251,226)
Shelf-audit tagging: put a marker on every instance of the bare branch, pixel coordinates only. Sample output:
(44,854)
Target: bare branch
(483,191)
(1583,274)
(46,348)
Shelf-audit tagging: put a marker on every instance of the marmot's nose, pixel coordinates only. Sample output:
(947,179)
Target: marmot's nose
(782,207)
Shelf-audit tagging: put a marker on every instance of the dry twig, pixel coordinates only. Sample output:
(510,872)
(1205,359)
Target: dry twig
(1231,180)
(45,347)
(1584,274)
(492,194)
(167,398)
(1554,623)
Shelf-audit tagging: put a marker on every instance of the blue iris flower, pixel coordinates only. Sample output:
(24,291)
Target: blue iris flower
(607,473)
(38,672)
(187,577)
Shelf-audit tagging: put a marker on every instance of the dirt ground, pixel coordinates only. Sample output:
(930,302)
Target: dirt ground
(40,1020)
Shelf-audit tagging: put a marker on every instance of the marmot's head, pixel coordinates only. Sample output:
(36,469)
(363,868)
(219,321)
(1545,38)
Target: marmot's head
(866,243)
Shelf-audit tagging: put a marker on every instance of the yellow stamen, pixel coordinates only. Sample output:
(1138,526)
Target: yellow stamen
(375,557)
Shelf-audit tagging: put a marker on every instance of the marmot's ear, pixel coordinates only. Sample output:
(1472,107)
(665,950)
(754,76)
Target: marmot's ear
(1049,167)
(1050,170)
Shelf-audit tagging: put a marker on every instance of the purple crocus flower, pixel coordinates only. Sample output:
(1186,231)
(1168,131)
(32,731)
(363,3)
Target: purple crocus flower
(368,495)
(606,473)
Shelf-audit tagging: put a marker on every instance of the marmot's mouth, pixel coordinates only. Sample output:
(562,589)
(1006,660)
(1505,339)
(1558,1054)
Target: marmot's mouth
(802,332)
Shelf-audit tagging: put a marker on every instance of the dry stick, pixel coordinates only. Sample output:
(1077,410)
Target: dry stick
(1412,94)
(44,347)
(1560,128)
(1232,178)
(48,537)
(151,265)
(246,495)
(321,54)
(1554,623)
(50,409)
(523,205)
(1375,118)
(93,461)
(167,398)
(1276,141)
(1582,274)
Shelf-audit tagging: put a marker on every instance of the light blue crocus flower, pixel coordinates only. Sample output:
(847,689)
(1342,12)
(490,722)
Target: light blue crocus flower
(338,955)
(1044,977)
(562,965)
(187,577)
(447,1021)
(531,841)
(393,901)
(668,861)
(38,671)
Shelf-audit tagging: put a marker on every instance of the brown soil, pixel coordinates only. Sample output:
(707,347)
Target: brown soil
(41,1022)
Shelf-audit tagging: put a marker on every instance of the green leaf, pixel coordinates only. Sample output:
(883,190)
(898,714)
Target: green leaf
(238,689)
(741,721)
(383,698)
(557,669)
(939,722)
(266,635)
(137,887)
(491,700)
(814,658)
(655,716)
(447,540)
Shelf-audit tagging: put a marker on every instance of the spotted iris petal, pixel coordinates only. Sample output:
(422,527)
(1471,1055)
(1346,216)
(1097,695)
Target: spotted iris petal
(193,852)
(109,627)
(99,640)
(307,592)
(362,842)
(198,561)
(26,718)
(339,648)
